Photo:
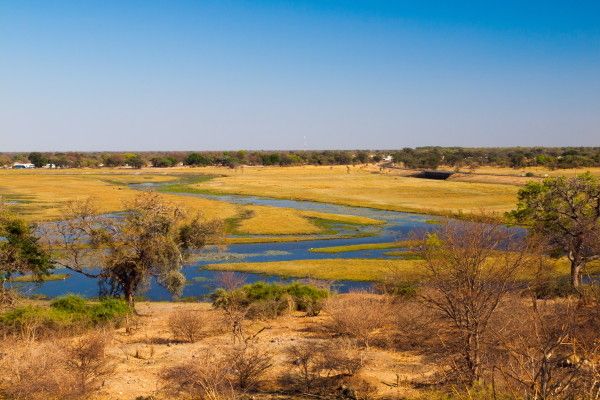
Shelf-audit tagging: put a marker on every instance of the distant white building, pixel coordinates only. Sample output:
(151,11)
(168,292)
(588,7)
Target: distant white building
(388,158)
(23,166)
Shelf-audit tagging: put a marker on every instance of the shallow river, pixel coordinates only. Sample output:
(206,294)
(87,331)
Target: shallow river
(201,282)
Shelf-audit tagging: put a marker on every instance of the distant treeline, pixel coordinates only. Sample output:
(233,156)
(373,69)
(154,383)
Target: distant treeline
(420,157)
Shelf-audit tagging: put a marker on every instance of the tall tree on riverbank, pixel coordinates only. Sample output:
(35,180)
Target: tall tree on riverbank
(566,213)
(152,240)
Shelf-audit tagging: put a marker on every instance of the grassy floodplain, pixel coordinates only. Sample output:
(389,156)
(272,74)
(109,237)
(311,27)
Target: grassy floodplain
(351,269)
(357,269)
(364,246)
(363,187)
(40,195)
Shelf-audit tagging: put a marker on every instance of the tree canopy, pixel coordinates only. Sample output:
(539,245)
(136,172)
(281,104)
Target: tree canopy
(20,251)
(565,212)
(152,240)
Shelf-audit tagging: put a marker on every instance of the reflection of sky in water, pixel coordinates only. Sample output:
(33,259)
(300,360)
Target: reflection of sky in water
(201,282)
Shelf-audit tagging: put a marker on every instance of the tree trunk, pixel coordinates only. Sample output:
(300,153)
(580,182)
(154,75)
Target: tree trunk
(129,297)
(575,274)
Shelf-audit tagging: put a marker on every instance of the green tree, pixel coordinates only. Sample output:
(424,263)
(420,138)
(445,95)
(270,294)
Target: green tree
(20,251)
(566,213)
(135,161)
(151,241)
(37,159)
(197,159)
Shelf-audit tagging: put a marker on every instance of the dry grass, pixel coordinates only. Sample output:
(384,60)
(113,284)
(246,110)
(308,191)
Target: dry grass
(42,195)
(332,269)
(363,187)
(270,220)
(539,171)
(358,269)
(142,354)
(46,192)
(57,369)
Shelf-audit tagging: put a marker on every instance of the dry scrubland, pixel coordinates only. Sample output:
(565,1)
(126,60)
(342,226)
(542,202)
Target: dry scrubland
(137,355)
(359,347)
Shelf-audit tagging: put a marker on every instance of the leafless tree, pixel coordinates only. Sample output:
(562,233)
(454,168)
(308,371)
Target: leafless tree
(470,269)
(230,280)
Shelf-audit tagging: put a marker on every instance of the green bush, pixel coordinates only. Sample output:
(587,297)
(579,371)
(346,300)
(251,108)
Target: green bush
(551,287)
(108,310)
(69,303)
(65,313)
(399,288)
(272,299)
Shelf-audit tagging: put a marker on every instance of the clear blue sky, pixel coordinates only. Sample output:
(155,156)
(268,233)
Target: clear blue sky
(201,75)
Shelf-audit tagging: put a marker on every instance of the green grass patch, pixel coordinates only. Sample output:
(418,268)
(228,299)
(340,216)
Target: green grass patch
(42,278)
(365,246)
(406,255)
(182,185)
(294,238)
(68,313)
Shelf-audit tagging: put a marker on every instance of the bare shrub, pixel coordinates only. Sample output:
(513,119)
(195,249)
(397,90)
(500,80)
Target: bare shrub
(8,297)
(33,371)
(306,367)
(359,315)
(230,280)
(247,366)
(549,352)
(321,368)
(355,388)
(414,325)
(54,370)
(188,325)
(88,362)
(206,377)
(343,356)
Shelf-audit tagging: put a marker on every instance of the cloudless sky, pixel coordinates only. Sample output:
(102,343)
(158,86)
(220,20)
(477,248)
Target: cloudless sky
(224,74)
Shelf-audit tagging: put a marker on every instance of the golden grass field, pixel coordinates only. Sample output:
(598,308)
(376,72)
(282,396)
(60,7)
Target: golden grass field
(358,269)
(352,269)
(363,187)
(42,194)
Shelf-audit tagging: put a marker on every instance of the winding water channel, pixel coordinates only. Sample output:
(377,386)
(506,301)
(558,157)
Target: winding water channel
(398,225)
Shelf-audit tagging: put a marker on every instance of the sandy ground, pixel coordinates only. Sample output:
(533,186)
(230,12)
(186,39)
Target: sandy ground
(142,353)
